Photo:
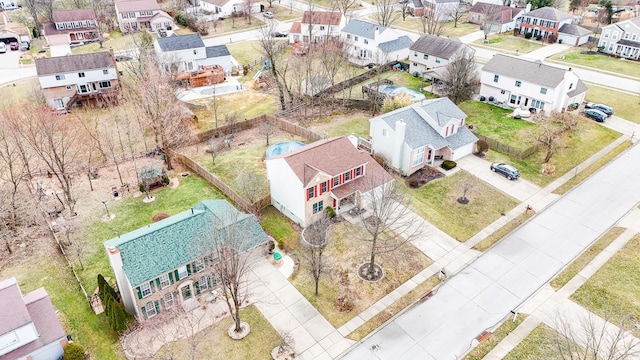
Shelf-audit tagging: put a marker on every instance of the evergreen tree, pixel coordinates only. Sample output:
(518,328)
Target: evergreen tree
(73,351)
(117,317)
(101,284)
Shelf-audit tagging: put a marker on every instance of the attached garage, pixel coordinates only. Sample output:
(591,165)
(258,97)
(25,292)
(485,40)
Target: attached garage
(573,35)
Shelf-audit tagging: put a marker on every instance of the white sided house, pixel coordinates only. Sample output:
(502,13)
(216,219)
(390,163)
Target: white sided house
(372,43)
(136,15)
(222,9)
(522,83)
(417,135)
(326,173)
(431,52)
(188,53)
(622,39)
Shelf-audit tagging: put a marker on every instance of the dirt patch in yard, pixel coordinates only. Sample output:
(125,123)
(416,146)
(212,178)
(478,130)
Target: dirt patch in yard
(422,177)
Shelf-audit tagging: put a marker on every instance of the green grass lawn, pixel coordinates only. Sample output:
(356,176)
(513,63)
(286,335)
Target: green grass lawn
(589,138)
(283,13)
(116,41)
(414,24)
(246,104)
(497,235)
(596,61)
(231,25)
(280,228)
(478,352)
(493,121)
(541,343)
(245,52)
(358,125)
(216,344)
(626,106)
(507,41)
(436,202)
(616,285)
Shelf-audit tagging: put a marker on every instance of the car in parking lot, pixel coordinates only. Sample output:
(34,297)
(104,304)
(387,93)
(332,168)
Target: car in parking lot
(595,114)
(507,170)
(24,46)
(3,47)
(278,34)
(268,14)
(14,46)
(608,110)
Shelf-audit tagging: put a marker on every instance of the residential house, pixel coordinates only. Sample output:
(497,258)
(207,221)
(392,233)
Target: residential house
(326,173)
(417,135)
(168,263)
(83,79)
(222,9)
(188,53)
(518,82)
(29,328)
(548,23)
(142,14)
(430,52)
(316,27)
(8,5)
(78,25)
(440,10)
(498,18)
(14,32)
(622,39)
(372,43)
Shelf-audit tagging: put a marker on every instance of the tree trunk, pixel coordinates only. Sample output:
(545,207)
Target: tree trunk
(236,316)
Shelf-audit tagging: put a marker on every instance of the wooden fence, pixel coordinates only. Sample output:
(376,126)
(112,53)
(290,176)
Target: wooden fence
(508,149)
(251,123)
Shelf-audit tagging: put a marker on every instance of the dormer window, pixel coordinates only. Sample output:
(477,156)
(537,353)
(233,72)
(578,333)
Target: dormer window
(518,83)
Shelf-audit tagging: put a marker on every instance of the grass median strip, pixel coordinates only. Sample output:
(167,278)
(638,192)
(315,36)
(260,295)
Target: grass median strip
(399,305)
(503,231)
(495,338)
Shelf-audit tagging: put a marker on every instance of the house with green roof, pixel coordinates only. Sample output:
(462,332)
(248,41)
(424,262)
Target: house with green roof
(165,264)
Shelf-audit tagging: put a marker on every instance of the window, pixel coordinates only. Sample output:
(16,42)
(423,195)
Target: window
(323,187)
(76,24)
(425,57)
(182,272)
(83,89)
(198,265)
(503,92)
(105,72)
(358,171)
(513,99)
(150,309)
(168,301)
(626,36)
(615,35)
(58,103)
(418,156)
(606,33)
(321,27)
(68,87)
(203,283)
(518,83)
(570,86)
(348,36)
(366,41)
(415,53)
(318,207)
(355,38)
(437,61)
(415,64)
(311,193)
(105,84)
(537,104)
(164,281)
(336,181)
(145,290)
(81,74)
(347,176)
(59,77)
(495,78)
(543,91)
(634,37)
(385,132)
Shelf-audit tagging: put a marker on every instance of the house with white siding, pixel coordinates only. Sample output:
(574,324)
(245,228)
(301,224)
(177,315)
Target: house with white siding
(417,135)
(136,15)
(621,39)
(189,53)
(431,52)
(367,43)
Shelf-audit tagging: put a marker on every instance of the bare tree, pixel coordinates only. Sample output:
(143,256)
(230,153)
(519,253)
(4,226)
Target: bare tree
(344,6)
(267,129)
(388,226)
(314,243)
(248,4)
(462,79)
(459,14)
(405,9)
(387,12)
(105,14)
(332,58)
(549,137)
(214,148)
(250,184)
(268,47)
(431,24)
(490,19)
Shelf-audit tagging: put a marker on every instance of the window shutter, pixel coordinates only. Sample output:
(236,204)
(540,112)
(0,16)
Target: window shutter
(177,276)
(157,305)
(158,283)
(144,312)
(171,277)
(139,293)
(153,287)
(188,269)
(162,302)
(197,285)
(209,281)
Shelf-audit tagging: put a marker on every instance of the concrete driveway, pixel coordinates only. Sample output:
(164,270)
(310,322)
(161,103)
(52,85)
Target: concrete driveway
(519,189)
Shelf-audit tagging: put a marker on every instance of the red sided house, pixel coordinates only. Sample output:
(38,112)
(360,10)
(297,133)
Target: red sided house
(79,25)
(544,22)
(326,173)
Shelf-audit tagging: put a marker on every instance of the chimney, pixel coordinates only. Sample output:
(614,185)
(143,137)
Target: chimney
(398,143)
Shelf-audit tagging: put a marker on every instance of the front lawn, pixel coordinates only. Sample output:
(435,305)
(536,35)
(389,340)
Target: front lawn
(596,61)
(507,326)
(541,343)
(281,228)
(116,41)
(506,41)
(437,203)
(626,106)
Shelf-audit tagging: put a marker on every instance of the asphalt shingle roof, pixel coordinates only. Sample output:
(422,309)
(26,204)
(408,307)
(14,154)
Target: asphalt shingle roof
(530,71)
(548,13)
(420,133)
(574,30)
(437,46)
(173,242)
(137,5)
(74,63)
(579,89)
(403,42)
(180,42)
(363,29)
(73,15)
(217,51)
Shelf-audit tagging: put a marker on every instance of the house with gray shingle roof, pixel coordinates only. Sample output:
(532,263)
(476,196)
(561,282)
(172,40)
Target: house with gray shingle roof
(136,15)
(327,173)
(430,52)
(497,18)
(78,25)
(169,262)
(544,22)
(188,53)
(30,328)
(622,39)
(523,83)
(417,135)
(372,43)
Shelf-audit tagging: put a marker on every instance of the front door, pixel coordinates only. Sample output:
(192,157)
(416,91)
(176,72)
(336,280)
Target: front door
(187,293)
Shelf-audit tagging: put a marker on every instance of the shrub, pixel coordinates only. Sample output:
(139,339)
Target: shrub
(331,213)
(181,19)
(165,180)
(281,244)
(539,37)
(528,35)
(159,216)
(482,146)
(73,351)
(448,164)
(552,38)
(141,187)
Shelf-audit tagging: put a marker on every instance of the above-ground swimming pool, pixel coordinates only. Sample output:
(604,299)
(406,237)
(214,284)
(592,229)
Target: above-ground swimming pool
(393,90)
(282,148)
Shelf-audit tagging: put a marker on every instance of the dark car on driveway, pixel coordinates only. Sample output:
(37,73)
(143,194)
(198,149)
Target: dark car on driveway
(507,170)
(278,34)
(608,110)
(595,114)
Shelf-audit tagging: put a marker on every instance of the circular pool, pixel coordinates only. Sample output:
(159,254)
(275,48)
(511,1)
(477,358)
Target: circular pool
(282,148)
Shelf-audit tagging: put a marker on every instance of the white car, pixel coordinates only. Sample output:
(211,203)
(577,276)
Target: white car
(3,47)
(268,14)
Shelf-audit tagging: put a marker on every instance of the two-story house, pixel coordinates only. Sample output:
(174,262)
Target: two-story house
(142,14)
(83,79)
(29,328)
(430,52)
(316,27)
(497,18)
(78,25)
(222,9)
(188,53)
(169,262)
(372,43)
(552,25)
(326,173)
(530,84)
(417,135)
(622,39)
(439,10)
